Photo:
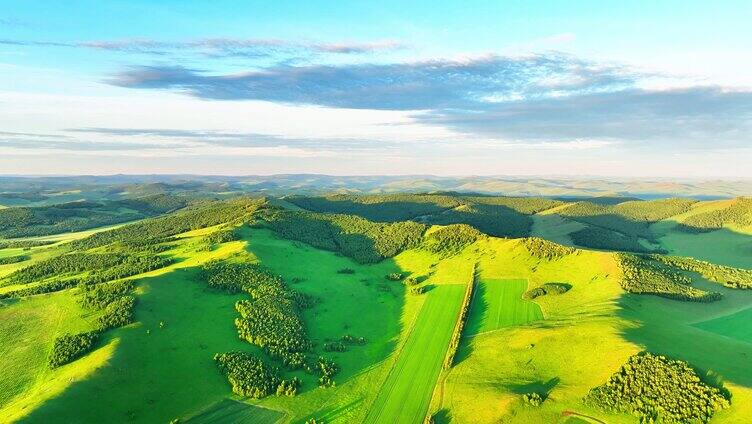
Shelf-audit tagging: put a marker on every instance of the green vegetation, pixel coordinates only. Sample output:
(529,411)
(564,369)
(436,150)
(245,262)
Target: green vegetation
(406,393)
(547,289)
(13,259)
(230,411)
(364,315)
(738,214)
(23,244)
(499,304)
(450,240)
(248,375)
(533,399)
(362,240)
(658,389)
(645,276)
(77,216)
(545,249)
(454,342)
(728,276)
(69,347)
(271,318)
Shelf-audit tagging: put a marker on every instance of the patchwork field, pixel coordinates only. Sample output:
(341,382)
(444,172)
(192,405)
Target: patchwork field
(498,304)
(406,393)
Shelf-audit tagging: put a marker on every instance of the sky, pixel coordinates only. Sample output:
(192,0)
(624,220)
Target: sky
(580,88)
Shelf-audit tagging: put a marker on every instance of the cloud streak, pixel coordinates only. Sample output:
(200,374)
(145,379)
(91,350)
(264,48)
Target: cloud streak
(439,84)
(218,46)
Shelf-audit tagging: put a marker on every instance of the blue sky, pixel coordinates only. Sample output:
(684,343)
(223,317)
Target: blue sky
(603,88)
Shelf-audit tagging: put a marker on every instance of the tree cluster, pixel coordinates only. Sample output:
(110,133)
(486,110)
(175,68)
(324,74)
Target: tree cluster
(70,347)
(645,276)
(547,289)
(358,238)
(739,214)
(731,277)
(13,259)
(544,249)
(454,342)
(658,389)
(248,375)
(452,239)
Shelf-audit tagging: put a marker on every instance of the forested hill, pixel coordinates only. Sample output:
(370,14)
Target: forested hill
(625,225)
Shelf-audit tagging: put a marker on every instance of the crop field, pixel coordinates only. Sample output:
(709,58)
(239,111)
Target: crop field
(406,393)
(228,411)
(498,304)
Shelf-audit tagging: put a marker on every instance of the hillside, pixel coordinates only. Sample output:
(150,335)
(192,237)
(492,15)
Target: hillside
(373,308)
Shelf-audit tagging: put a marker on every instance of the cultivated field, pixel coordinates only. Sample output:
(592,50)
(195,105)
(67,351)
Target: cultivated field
(406,393)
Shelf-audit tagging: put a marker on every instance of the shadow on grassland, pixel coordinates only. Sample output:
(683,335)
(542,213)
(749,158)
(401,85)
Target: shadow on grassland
(662,328)
(156,363)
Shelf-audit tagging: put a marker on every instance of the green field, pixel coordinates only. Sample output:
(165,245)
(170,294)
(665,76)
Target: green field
(498,304)
(27,329)
(228,411)
(736,326)
(156,374)
(406,394)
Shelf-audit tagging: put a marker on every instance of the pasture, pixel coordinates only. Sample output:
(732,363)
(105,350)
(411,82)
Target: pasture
(228,411)
(161,367)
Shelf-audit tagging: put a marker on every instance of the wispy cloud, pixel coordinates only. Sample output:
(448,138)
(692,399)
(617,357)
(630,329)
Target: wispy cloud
(219,46)
(180,141)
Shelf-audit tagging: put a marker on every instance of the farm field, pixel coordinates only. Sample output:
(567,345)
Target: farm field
(498,304)
(406,393)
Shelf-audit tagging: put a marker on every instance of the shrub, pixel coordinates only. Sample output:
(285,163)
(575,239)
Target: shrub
(532,399)
(546,289)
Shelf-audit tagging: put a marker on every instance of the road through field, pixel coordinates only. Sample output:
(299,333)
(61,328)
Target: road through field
(406,393)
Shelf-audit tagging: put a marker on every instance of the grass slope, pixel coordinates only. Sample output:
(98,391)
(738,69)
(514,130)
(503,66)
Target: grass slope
(498,304)
(154,373)
(405,395)
(28,328)
(737,325)
(228,411)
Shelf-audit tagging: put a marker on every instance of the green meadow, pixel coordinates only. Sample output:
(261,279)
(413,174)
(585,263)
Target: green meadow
(160,368)
(498,304)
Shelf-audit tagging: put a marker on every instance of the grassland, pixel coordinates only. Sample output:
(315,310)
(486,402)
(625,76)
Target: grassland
(152,373)
(498,304)
(406,393)
(737,325)
(28,328)
(228,411)
(568,344)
